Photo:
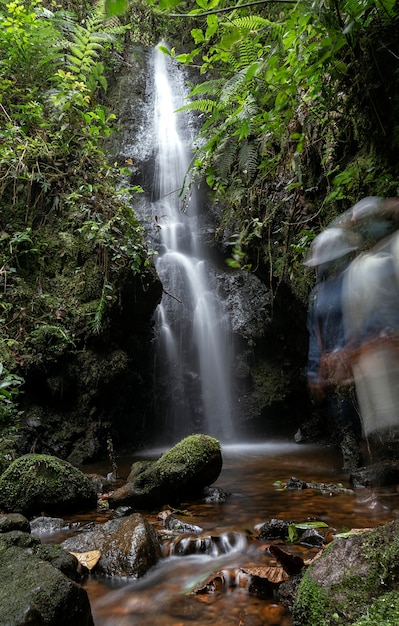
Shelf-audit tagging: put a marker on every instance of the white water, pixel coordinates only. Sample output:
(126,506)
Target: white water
(193,351)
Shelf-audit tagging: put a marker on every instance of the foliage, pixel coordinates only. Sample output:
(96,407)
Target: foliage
(9,414)
(63,219)
(295,530)
(287,96)
(9,390)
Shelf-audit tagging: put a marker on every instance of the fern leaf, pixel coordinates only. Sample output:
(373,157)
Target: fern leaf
(204,106)
(250,22)
(209,87)
(248,158)
(74,64)
(232,86)
(76,51)
(225,155)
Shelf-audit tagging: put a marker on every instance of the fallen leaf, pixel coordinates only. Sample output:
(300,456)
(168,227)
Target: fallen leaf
(290,563)
(88,559)
(273,574)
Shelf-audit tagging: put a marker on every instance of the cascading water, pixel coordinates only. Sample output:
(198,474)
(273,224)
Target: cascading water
(193,347)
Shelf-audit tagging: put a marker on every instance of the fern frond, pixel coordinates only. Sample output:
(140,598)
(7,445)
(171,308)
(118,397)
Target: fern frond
(232,86)
(209,87)
(249,110)
(250,22)
(248,159)
(203,106)
(243,54)
(225,155)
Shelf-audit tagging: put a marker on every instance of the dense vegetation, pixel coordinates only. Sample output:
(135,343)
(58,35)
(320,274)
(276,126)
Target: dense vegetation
(299,103)
(66,231)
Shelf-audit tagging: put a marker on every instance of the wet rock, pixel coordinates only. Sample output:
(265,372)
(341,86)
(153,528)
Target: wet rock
(38,482)
(380,474)
(102,483)
(182,472)
(312,537)
(296,484)
(129,546)
(45,525)
(13,521)
(34,590)
(177,525)
(287,590)
(123,511)
(340,586)
(215,494)
(248,302)
(274,529)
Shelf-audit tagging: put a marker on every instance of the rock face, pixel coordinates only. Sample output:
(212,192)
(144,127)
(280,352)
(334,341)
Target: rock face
(128,546)
(183,471)
(37,586)
(379,474)
(353,579)
(38,482)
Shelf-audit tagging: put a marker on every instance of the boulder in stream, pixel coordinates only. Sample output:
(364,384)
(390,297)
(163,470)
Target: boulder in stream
(129,546)
(182,472)
(35,483)
(354,582)
(381,474)
(37,586)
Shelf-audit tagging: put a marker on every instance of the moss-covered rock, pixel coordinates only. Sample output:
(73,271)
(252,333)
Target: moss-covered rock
(13,521)
(34,590)
(38,482)
(183,471)
(352,582)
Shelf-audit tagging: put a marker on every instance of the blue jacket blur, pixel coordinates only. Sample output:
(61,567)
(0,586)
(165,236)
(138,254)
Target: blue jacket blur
(325,322)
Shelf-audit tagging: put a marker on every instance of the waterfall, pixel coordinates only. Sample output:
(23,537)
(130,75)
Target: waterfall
(193,345)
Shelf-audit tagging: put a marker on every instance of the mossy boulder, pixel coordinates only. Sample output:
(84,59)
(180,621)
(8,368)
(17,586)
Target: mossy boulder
(181,472)
(13,521)
(35,589)
(358,576)
(37,483)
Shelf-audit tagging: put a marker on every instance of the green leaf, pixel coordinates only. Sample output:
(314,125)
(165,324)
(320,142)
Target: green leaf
(309,525)
(197,35)
(115,7)
(213,23)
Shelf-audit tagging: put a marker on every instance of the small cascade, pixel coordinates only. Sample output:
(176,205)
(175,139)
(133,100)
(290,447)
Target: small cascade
(212,545)
(193,351)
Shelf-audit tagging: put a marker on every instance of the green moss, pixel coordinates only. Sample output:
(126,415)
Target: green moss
(312,605)
(181,472)
(37,482)
(365,567)
(191,450)
(381,549)
(385,610)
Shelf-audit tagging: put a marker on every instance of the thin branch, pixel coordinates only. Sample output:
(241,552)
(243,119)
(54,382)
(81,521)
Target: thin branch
(227,9)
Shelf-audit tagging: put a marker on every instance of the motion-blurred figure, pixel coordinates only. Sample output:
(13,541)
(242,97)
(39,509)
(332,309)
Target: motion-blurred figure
(328,373)
(371,321)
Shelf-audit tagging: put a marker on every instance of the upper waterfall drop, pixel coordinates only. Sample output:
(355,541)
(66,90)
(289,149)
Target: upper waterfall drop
(193,346)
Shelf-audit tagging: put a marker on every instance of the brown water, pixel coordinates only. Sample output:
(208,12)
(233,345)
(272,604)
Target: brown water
(249,473)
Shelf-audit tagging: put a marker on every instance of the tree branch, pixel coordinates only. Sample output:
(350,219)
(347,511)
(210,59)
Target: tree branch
(226,9)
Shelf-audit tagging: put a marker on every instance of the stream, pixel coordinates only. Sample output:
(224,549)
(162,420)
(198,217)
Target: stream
(252,474)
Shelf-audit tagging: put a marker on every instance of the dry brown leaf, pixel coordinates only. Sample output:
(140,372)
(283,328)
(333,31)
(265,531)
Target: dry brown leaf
(273,574)
(88,559)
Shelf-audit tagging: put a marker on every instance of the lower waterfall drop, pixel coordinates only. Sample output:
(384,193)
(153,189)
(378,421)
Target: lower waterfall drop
(193,351)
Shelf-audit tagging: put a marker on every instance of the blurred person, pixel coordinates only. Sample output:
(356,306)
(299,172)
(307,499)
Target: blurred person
(371,322)
(328,374)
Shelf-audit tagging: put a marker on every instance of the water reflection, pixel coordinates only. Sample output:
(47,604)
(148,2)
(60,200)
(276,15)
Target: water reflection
(251,474)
